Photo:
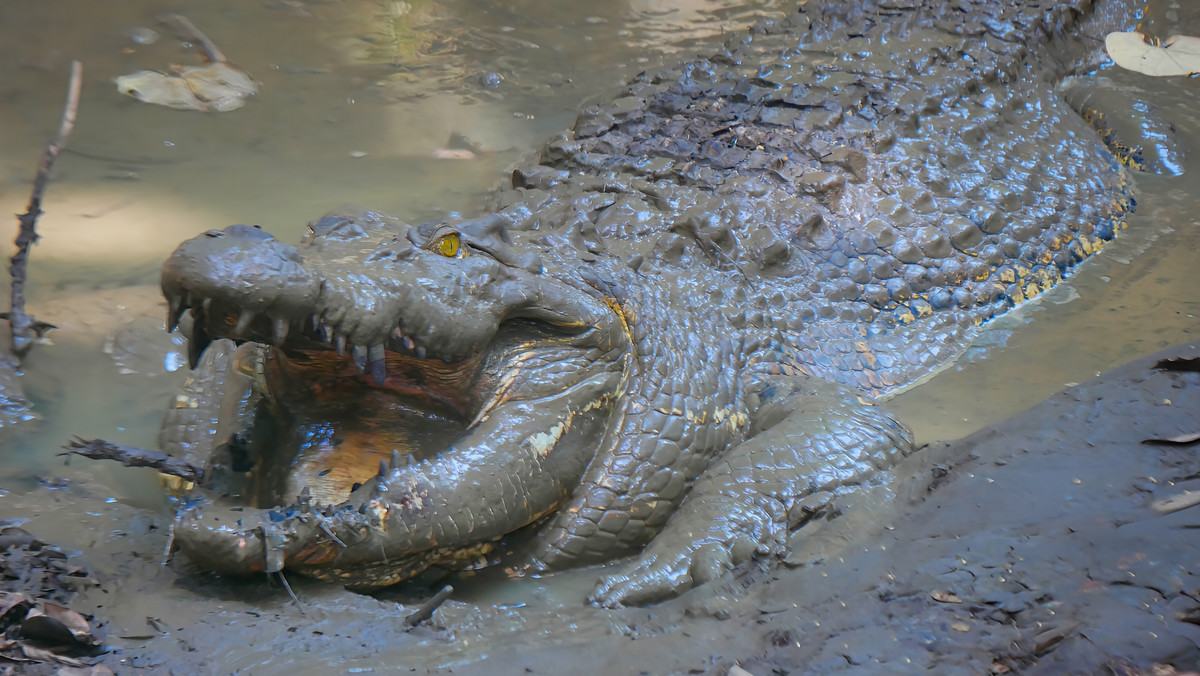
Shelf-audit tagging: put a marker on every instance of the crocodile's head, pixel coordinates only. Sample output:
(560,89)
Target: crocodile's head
(408,395)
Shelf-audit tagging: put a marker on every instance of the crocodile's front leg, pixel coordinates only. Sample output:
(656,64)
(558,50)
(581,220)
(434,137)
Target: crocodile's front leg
(811,437)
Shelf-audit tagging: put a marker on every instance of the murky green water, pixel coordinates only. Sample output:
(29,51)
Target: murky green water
(329,127)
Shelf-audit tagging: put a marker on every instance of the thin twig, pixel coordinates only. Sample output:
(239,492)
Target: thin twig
(288,587)
(184,25)
(132,456)
(24,327)
(426,610)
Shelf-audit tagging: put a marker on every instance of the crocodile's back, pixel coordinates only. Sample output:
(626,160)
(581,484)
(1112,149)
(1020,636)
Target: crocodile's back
(878,177)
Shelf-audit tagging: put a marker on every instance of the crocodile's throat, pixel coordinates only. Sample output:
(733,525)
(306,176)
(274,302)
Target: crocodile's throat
(331,425)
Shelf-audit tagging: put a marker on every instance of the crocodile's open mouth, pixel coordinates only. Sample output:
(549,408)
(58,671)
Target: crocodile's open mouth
(325,421)
(370,425)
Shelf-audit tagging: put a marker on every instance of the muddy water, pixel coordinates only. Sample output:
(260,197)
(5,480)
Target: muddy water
(357,98)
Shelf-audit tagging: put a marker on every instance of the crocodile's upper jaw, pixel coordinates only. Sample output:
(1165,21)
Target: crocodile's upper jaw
(391,426)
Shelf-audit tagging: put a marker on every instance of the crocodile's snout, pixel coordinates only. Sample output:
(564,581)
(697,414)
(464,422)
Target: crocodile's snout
(269,276)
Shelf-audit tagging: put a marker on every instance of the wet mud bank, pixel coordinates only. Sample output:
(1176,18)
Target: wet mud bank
(1054,542)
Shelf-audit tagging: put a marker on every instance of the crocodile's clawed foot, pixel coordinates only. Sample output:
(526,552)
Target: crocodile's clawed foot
(656,576)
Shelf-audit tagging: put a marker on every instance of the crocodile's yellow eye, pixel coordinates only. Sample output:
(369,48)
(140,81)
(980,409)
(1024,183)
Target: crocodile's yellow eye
(447,245)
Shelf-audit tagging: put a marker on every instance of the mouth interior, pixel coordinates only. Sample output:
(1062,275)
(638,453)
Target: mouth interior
(328,425)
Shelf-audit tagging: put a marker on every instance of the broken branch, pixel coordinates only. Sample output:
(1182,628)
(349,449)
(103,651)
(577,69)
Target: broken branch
(132,456)
(24,328)
(426,610)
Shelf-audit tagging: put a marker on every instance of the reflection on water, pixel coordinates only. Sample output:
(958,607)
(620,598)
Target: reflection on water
(356,100)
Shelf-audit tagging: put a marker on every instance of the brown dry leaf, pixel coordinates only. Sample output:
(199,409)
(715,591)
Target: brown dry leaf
(43,655)
(1177,55)
(1046,640)
(1178,364)
(1176,503)
(94,670)
(944,597)
(56,624)
(9,600)
(1177,440)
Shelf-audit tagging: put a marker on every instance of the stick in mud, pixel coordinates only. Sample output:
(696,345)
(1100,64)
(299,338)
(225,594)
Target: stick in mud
(25,328)
(426,610)
(132,456)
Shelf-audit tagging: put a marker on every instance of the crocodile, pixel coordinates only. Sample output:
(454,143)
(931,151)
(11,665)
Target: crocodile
(667,335)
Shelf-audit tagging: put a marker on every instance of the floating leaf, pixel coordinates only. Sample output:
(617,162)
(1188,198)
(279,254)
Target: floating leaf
(1177,55)
(218,87)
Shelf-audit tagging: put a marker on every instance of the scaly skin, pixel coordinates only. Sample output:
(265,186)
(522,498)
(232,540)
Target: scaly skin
(671,328)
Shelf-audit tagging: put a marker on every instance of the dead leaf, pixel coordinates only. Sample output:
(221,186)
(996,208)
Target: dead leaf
(1178,440)
(94,670)
(9,600)
(1176,502)
(945,597)
(1177,55)
(1046,640)
(55,624)
(453,154)
(1179,364)
(219,87)
(43,655)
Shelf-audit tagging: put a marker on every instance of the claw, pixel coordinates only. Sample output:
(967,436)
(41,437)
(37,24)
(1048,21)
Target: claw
(378,363)
(360,358)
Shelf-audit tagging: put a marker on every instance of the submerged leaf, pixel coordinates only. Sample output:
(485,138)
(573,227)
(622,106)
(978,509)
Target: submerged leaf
(1177,55)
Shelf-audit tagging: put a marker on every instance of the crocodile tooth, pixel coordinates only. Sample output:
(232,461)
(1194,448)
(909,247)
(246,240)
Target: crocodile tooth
(279,331)
(383,470)
(243,323)
(360,358)
(375,358)
(420,352)
(206,304)
(406,342)
(395,463)
(304,500)
(314,321)
(175,311)
(196,344)
(339,343)
(411,461)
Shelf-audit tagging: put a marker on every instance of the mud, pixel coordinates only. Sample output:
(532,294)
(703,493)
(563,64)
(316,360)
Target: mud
(1040,545)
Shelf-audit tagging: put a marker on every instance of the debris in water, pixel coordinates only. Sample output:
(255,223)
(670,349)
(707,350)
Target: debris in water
(1177,55)
(218,86)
